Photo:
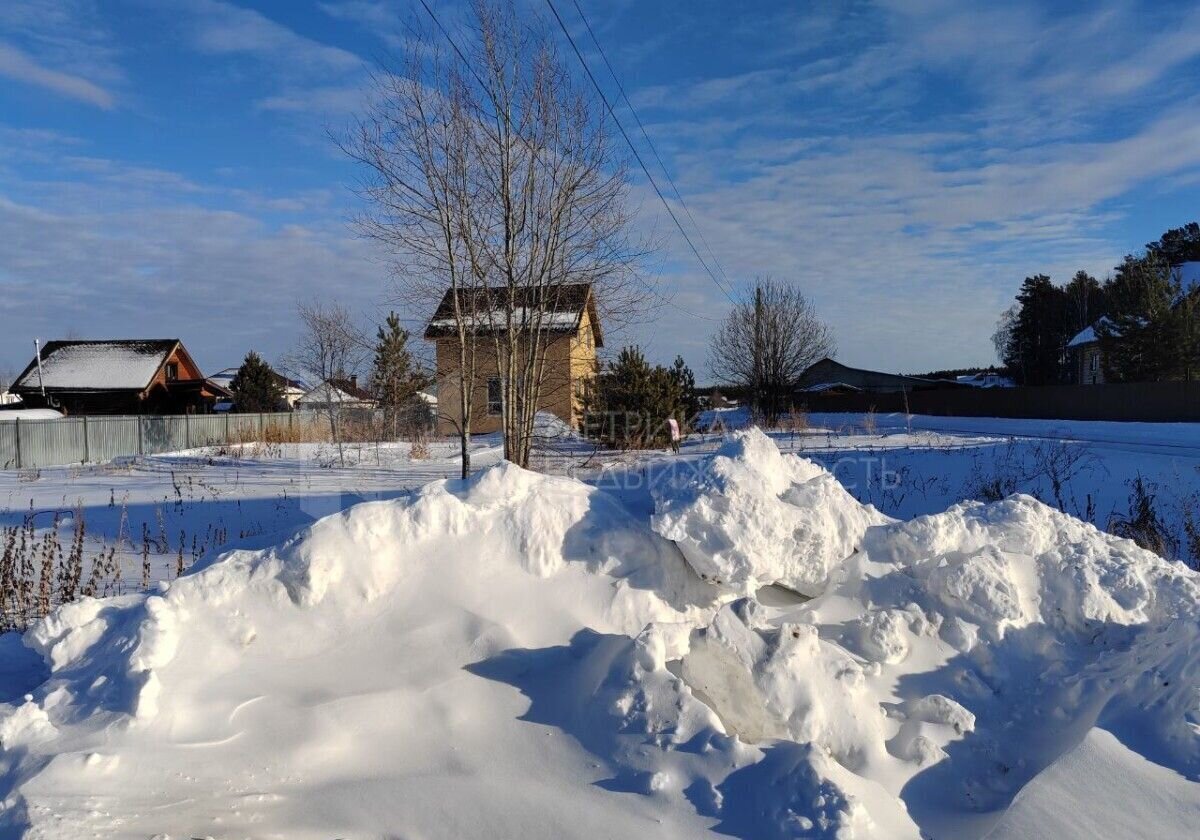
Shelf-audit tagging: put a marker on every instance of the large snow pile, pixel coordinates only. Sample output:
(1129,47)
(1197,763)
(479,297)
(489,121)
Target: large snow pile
(962,653)
(517,655)
(317,689)
(752,516)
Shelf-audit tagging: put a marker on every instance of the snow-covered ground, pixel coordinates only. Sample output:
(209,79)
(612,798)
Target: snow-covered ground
(725,642)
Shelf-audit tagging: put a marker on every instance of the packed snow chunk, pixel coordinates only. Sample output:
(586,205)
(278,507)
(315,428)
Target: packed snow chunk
(23,725)
(769,682)
(751,516)
(988,568)
(883,635)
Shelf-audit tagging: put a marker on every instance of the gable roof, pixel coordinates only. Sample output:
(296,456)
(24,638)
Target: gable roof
(556,308)
(224,379)
(117,365)
(337,390)
(1189,275)
(1088,335)
(825,373)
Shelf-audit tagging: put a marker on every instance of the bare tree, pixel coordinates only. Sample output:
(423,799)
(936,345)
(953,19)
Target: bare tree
(490,174)
(1002,337)
(330,348)
(767,342)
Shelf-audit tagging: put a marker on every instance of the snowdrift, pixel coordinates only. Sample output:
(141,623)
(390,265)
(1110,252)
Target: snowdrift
(751,516)
(518,655)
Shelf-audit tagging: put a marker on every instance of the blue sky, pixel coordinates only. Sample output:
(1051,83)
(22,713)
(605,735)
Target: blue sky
(165,168)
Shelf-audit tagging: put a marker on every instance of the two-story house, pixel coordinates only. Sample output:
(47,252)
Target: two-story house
(564,320)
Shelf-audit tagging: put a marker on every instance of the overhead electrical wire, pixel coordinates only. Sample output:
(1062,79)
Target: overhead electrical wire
(621,89)
(462,56)
(636,154)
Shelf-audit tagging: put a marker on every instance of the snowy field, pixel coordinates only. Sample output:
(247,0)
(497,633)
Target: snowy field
(732,641)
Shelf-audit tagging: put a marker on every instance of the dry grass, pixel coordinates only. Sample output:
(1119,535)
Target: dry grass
(43,567)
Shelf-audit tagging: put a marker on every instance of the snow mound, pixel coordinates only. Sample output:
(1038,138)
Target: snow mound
(519,655)
(959,654)
(333,660)
(751,516)
(1018,562)
(339,567)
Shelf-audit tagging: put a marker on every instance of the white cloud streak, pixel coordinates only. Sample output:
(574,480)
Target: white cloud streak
(17,65)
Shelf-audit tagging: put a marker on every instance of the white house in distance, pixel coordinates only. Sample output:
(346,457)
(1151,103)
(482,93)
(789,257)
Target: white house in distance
(344,393)
(293,389)
(1083,352)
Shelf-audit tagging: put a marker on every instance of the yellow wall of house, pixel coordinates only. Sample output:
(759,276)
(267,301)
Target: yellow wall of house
(570,362)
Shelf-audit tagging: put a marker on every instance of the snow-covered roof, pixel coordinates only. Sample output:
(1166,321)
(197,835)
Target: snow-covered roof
(555,308)
(336,391)
(12,414)
(224,378)
(985,380)
(831,386)
(97,365)
(497,319)
(1189,275)
(1087,335)
(1084,336)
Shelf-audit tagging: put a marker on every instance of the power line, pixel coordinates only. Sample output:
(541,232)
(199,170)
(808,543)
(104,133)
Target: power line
(462,56)
(637,155)
(649,142)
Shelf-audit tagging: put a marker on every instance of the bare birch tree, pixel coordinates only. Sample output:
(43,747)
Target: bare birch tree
(330,348)
(767,342)
(492,175)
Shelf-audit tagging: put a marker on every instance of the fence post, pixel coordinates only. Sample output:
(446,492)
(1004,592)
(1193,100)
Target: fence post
(87,450)
(261,426)
(227,438)
(187,431)
(141,448)
(17,431)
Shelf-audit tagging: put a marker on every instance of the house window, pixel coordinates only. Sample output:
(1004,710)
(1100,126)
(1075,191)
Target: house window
(495,396)
(172,371)
(1095,362)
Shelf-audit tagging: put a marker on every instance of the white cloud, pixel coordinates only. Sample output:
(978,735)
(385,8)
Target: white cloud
(223,28)
(909,167)
(221,280)
(326,100)
(59,53)
(17,65)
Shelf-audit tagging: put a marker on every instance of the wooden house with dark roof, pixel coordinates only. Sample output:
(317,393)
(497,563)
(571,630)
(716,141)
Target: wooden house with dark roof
(129,376)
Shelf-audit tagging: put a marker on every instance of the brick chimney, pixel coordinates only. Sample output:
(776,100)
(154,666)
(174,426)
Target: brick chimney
(354,381)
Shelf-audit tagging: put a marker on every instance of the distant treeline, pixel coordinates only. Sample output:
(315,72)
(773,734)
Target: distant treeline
(957,372)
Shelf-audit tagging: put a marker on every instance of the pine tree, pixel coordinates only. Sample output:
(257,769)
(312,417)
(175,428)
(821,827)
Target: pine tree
(685,381)
(256,387)
(1138,339)
(1038,336)
(637,399)
(1084,301)
(395,376)
(1177,246)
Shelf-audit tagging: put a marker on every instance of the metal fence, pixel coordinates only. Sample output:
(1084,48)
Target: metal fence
(27,444)
(1162,402)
